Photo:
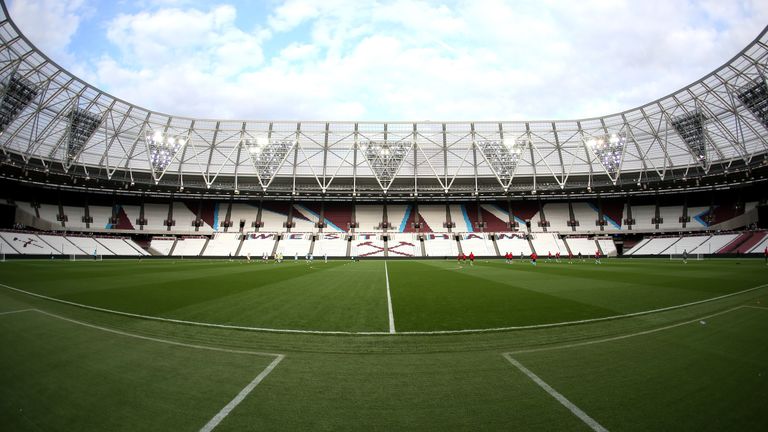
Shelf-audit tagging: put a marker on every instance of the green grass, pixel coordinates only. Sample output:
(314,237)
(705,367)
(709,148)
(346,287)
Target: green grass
(344,296)
(662,371)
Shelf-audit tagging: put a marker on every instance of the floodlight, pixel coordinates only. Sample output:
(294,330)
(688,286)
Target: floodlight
(385,158)
(503,156)
(82,125)
(755,98)
(690,127)
(163,147)
(17,93)
(608,149)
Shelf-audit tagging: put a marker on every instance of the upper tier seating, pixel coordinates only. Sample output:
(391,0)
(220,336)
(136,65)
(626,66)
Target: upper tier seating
(274,216)
(155,214)
(305,218)
(643,216)
(368,218)
(671,217)
(398,215)
(586,214)
(101,216)
(496,217)
(460,218)
(338,216)
(49,213)
(183,217)
(557,215)
(434,216)
(243,212)
(75,217)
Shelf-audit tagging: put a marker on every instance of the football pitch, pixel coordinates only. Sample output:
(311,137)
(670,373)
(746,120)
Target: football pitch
(629,344)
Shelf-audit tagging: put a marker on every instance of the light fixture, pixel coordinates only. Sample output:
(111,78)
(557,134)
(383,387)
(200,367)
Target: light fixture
(385,158)
(163,147)
(608,149)
(690,127)
(503,156)
(17,93)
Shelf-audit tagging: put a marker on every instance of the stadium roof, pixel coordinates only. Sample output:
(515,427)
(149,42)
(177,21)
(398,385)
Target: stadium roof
(52,120)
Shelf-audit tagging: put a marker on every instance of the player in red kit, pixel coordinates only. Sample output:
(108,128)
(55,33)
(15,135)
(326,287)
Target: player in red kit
(471,258)
(533,258)
(557,256)
(597,257)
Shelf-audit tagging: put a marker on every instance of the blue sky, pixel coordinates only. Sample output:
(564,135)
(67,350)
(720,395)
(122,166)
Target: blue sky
(390,59)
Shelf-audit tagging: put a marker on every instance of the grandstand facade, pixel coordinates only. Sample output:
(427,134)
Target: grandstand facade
(84,172)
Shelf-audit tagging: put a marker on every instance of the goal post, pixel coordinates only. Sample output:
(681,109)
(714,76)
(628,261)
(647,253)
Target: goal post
(691,257)
(73,257)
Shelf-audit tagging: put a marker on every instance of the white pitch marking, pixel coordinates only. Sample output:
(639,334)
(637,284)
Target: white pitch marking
(389,301)
(374,333)
(149,338)
(626,336)
(15,311)
(231,405)
(240,396)
(756,307)
(589,421)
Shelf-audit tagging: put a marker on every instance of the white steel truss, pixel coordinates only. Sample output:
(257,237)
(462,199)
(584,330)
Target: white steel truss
(50,117)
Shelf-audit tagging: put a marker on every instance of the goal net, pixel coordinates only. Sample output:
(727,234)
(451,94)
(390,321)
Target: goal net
(85,257)
(691,257)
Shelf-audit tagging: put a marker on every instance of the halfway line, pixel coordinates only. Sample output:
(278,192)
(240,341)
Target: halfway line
(389,301)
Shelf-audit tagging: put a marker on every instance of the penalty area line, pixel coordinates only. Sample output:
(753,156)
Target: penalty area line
(221,415)
(15,311)
(389,301)
(224,412)
(584,417)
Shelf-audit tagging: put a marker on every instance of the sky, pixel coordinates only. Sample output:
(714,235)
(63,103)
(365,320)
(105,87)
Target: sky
(390,60)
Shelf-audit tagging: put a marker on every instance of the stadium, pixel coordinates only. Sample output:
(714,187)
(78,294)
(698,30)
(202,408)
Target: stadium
(172,273)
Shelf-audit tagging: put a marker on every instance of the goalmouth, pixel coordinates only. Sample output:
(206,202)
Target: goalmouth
(73,257)
(692,257)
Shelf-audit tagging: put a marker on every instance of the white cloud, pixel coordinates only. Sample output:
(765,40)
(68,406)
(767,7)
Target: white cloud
(49,24)
(393,60)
